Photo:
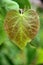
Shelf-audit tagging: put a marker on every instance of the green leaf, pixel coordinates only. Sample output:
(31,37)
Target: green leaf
(36,41)
(10,5)
(21,28)
(40,12)
(2,32)
(3,60)
(23,4)
(31,55)
(11,54)
(40,56)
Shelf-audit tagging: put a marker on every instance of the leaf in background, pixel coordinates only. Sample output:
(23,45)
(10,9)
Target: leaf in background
(31,55)
(35,42)
(40,56)
(11,54)
(22,28)
(3,60)
(2,32)
(23,4)
(10,5)
(40,12)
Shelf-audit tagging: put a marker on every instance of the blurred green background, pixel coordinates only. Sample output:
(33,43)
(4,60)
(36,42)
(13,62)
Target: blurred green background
(10,54)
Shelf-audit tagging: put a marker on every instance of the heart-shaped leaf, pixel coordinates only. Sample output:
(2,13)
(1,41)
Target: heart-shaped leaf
(22,27)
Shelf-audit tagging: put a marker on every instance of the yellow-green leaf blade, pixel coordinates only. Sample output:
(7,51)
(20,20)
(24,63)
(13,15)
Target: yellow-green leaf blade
(21,28)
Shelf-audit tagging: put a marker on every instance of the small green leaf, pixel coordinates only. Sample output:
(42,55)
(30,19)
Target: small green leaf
(10,5)
(22,28)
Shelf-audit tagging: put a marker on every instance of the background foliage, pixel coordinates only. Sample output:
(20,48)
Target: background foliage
(10,54)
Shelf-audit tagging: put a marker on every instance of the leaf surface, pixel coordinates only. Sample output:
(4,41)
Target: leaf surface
(21,28)
(10,5)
